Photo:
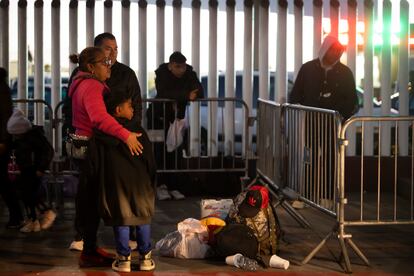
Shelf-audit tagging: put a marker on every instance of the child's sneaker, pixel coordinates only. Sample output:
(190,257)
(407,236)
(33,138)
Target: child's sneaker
(48,219)
(31,226)
(177,195)
(162,193)
(146,262)
(122,263)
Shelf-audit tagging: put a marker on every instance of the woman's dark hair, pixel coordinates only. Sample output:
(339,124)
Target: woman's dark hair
(89,55)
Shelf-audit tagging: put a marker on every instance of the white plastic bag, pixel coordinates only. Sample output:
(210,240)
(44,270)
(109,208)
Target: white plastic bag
(188,242)
(215,208)
(175,134)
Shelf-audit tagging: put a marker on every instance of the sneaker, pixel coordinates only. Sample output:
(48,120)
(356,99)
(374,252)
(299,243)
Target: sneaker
(76,246)
(48,218)
(98,258)
(30,226)
(122,263)
(162,193)
(132,244)
(146,263)
(177,195)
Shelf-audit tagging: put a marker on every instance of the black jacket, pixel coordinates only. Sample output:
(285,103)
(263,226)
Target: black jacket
(170,87)
(338,93)
(126,182)
(32,150)
(6,110)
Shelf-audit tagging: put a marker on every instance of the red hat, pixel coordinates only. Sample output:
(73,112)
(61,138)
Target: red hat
(256,198)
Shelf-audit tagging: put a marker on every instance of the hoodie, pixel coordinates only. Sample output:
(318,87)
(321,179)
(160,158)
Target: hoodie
(88,108)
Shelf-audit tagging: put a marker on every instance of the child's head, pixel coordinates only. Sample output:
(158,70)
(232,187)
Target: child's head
(119,105)
(18,123)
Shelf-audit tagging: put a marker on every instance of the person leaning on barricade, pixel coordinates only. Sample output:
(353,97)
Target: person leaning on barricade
(175,80)
(88,109)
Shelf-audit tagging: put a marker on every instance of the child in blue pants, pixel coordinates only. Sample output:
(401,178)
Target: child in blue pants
(126,185)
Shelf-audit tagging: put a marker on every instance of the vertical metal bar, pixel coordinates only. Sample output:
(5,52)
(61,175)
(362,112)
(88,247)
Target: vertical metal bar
(55,66)
(379,172)
(281,72)
(298,13)
(90,22)
(195,129)
(212,76)
(395,184)
(361,184)
(4,34)
(108,16)
(22,54)
(368,72)
(142,47)
(177,24)
(38,57)
(160,32)
(264,50)
(73,31)
(317,26)
(334,16)
(228,127)
(125,31)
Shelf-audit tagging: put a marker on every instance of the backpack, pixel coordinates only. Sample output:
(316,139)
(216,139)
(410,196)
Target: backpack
(236,238)
(264,225)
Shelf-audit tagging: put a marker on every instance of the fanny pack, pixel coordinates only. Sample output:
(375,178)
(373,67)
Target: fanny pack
(76,146)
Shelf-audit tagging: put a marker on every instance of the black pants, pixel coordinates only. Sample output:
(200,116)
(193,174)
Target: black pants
(8,192)
(87,215)
(29,184)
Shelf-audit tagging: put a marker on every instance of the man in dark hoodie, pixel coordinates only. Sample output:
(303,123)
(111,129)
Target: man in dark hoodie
(325,82)
(177,81)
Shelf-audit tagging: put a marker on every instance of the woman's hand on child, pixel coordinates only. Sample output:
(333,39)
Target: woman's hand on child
(133,144)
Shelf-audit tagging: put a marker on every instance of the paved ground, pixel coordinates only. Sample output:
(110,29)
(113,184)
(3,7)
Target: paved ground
(390,249)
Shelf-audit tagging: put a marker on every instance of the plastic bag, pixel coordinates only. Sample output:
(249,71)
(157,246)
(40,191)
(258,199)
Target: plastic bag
(188,242)
(175,134)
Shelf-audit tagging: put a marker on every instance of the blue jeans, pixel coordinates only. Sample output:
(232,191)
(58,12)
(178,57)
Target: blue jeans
(143,239)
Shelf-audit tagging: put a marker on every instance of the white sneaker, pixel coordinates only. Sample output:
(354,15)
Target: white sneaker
(146,263)
(162,193)
(76,246)
(177,195)
(132,244)
(122,263)
(30,226)
(48,219)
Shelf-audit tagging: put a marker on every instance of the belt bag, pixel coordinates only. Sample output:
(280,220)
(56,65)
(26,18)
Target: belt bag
(76,146)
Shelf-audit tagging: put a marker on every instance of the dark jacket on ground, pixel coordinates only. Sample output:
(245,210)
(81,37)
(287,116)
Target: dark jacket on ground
(170,87)
(126,191)
(334,90)
(32,150)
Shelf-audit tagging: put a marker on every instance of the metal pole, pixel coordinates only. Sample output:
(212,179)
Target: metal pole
(212,79)
(90,22)
(281,72)
(298,13)
(256,28)
(22,54)
(108,16)
(386,76)
(177,24)
(73,31)
(229,80)
(4,34)
(125,31)
(38,58)
(334,15)
(317,26)
(368,74)
(403,70)
(264,50)
(160,58)
(142,48)
(247,64)
(195,60)
(351,62)
(55,65)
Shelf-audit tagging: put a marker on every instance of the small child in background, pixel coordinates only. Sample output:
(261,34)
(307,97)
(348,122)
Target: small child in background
(126,189)
(33,154)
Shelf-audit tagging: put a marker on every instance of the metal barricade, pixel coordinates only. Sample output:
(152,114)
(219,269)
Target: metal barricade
(214,151)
